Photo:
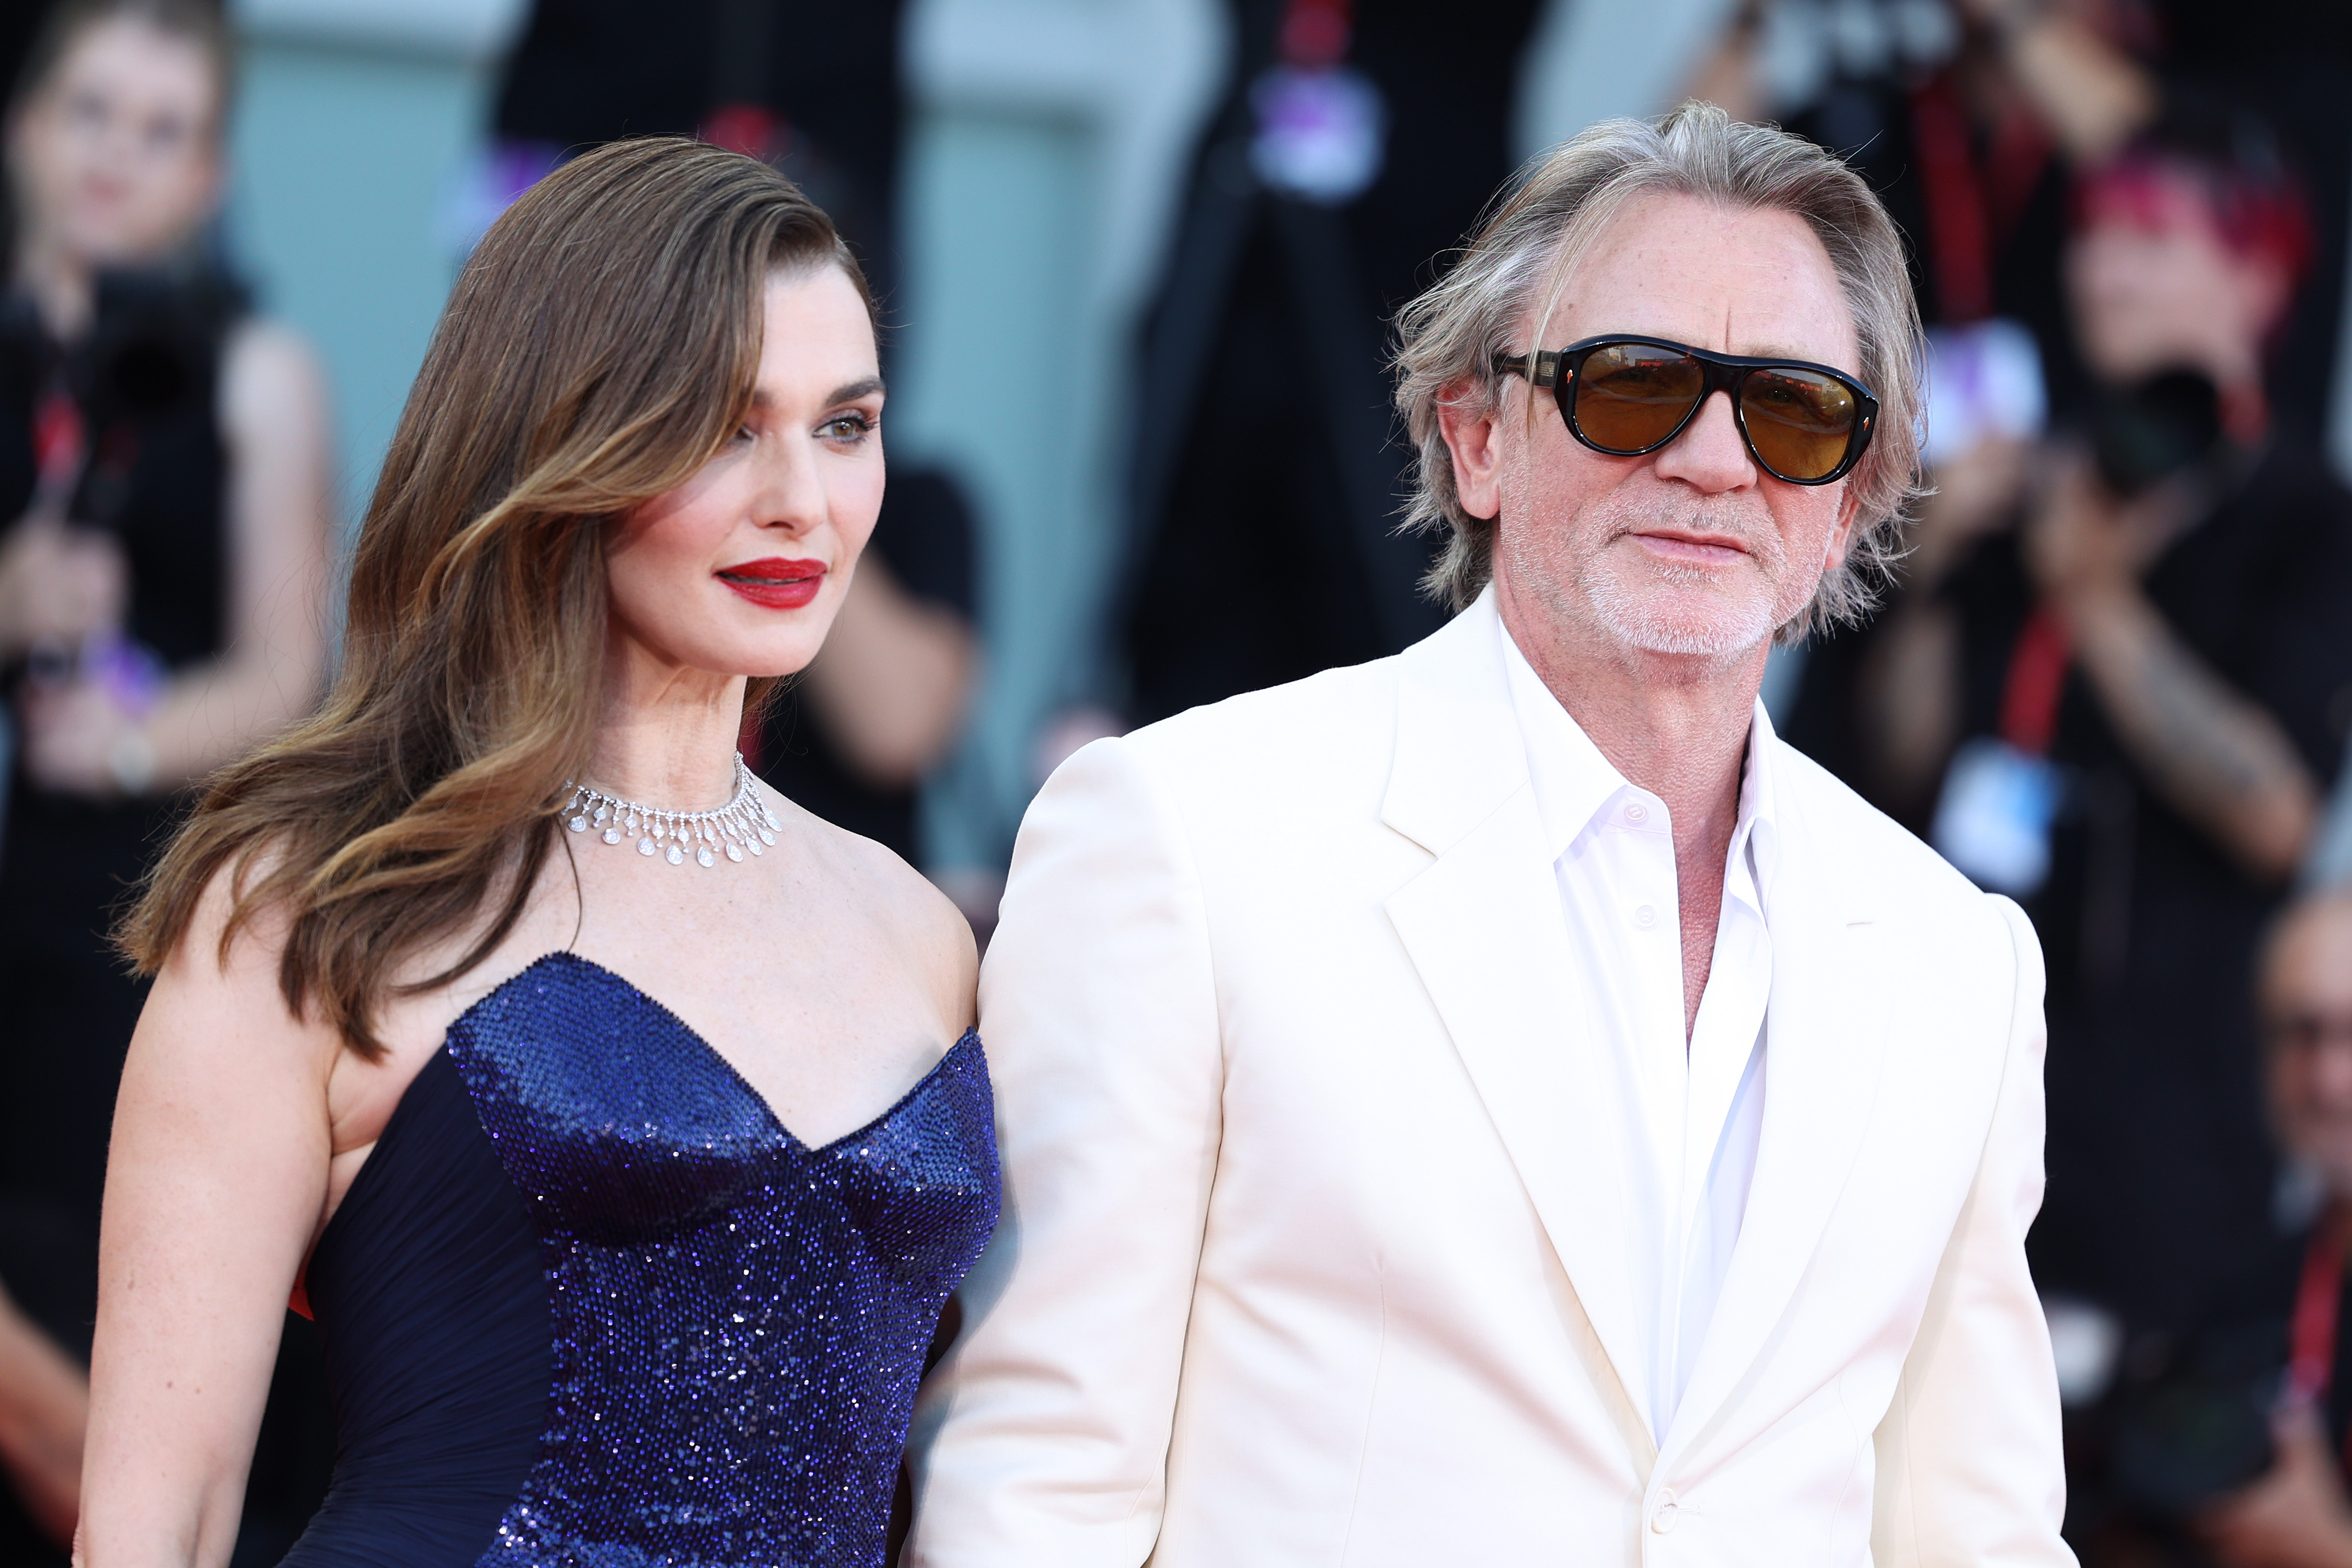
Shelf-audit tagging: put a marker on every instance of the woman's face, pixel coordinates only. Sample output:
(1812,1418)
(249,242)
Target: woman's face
(2153,285)
(740,570)
(116,159)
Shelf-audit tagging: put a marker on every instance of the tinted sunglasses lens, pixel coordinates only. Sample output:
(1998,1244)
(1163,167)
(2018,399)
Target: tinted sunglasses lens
(1631,396)
(1799,422)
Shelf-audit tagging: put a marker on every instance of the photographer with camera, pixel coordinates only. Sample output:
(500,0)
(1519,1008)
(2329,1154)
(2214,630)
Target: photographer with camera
(2115,681)
(163,549)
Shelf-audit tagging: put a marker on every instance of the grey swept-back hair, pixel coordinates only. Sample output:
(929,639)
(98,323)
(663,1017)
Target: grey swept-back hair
(1525,252)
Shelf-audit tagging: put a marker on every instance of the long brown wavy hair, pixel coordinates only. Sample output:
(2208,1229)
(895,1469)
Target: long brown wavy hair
(599,347)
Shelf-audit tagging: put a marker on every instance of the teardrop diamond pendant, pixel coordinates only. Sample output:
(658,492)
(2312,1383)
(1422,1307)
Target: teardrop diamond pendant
(744,823)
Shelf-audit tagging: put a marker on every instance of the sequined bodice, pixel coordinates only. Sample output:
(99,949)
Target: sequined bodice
(736,1322)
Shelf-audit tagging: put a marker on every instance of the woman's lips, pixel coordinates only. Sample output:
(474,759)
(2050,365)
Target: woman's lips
(775,583)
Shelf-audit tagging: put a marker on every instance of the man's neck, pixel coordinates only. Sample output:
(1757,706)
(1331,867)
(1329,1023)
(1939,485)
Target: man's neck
(1673,725)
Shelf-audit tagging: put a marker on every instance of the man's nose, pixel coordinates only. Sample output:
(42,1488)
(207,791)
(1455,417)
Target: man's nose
(1710,456)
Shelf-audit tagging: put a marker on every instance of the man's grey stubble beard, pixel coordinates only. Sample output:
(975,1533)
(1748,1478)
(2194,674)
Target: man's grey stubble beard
(1629,613)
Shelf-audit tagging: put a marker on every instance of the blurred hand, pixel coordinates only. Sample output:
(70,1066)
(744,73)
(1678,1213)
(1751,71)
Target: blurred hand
(1975,494)
(2079,539)
(2295,1517)
(79,741)
(58,583)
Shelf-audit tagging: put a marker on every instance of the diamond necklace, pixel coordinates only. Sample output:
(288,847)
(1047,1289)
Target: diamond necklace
(744,823)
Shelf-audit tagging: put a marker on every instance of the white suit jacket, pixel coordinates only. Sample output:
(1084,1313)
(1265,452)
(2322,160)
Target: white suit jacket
(1312,1224)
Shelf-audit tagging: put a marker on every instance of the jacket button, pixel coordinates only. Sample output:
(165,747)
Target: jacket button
(1663,1519)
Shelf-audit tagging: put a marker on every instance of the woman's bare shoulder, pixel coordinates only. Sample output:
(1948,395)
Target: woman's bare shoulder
(218,988)
(898,899)
(270,368)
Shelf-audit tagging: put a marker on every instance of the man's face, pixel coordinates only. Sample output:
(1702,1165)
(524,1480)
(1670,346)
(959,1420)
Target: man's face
(1692,550)
(2306,1005)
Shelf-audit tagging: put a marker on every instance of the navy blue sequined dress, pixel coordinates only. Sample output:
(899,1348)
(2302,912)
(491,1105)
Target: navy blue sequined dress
(589,1303)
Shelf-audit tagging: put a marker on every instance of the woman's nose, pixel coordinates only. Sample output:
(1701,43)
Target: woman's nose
(791,492)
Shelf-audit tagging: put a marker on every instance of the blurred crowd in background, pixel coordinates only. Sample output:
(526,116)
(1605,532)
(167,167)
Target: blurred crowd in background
(1140,258)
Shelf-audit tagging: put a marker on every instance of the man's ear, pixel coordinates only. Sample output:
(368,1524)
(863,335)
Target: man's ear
(1472,426)
(1842,536)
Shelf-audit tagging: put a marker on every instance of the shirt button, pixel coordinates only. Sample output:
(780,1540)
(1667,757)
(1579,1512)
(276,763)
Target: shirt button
(1663,1522)
(1645,917)
(1637,812)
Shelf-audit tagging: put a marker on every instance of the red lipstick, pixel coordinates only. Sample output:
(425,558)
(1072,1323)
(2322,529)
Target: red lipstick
(775,583)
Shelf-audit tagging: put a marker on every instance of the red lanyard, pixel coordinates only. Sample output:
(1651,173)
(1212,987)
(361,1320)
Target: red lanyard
(59,443)
(2037,679)
(2311,1335)
(1973,204)
(1315,33)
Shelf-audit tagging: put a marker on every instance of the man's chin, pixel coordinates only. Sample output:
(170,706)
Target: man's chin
(1680,621)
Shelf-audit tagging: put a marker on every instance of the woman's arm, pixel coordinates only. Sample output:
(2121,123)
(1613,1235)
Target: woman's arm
(215,1183)
(273,418)
(892,679)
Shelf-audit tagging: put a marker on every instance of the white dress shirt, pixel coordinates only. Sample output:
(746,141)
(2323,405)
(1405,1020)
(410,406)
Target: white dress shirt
(1695,1110)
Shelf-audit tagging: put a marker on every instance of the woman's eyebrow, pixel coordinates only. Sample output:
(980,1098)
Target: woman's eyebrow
(848,391)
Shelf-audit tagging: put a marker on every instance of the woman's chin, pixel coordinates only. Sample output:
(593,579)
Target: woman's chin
(768,663)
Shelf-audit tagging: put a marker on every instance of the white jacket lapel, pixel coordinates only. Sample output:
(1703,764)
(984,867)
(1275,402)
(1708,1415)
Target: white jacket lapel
(1824,1048)
(1485,930)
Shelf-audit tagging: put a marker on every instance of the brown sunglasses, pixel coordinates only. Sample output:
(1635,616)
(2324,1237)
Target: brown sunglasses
(1625,397)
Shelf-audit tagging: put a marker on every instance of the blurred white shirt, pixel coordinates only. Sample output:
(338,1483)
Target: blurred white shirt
(1695,1111)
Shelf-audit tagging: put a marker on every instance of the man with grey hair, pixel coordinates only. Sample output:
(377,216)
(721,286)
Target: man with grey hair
(1498,1103)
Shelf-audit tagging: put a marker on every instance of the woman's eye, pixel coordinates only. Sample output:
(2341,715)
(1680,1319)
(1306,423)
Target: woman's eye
(846,428)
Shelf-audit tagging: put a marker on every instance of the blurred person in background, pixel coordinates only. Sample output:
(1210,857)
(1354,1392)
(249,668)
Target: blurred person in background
(1356,142)
(2233,1450)
(2115,680)
(2296,1515)
(854,737)
(1973,118)
(164,478)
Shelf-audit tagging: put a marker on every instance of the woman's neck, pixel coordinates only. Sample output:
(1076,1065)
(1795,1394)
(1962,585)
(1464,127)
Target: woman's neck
(667,736)
(63,288)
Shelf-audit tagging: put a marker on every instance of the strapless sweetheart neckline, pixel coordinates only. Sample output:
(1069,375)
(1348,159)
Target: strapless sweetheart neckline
(562,956)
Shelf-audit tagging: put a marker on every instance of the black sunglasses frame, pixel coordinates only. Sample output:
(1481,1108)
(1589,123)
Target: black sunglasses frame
(1556,370)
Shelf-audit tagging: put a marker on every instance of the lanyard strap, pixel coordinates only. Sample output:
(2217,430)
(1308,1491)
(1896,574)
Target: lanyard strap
(60,442)
(1316,34)
(2311,1360)
(2037,679)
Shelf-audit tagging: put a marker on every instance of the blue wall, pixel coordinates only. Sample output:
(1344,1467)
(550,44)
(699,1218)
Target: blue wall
(345,156)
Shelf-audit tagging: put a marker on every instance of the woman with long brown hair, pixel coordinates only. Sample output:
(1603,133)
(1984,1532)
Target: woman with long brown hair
(597,1102)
